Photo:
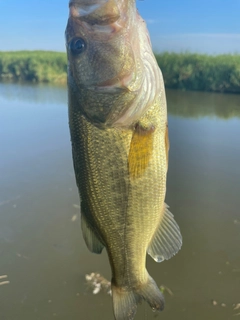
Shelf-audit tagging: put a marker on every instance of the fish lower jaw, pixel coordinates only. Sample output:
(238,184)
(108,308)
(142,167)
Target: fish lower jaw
(107,89)
(116,84)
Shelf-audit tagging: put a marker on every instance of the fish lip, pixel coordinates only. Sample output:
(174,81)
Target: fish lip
(104,25)
(85,15)
(88,13)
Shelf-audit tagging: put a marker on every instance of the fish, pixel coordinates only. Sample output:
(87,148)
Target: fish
(119,137)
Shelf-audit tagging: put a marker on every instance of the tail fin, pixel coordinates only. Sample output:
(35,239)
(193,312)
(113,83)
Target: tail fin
(125,301)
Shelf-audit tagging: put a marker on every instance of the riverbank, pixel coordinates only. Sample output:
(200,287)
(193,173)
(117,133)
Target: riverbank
(33,66)
(201,72)
(183,71)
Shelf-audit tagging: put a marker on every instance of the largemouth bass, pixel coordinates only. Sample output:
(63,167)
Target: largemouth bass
(119,134)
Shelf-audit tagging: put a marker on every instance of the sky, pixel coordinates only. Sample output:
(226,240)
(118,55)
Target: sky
(204,26)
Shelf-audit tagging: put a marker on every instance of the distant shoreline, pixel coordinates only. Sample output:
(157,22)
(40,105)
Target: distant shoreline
(185,71)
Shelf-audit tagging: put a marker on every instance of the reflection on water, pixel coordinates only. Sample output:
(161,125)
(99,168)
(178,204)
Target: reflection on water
(191,104)
(42,252)
(40,93)
(202,104)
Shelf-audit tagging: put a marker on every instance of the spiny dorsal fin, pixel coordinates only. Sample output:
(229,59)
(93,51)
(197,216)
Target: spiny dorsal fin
(140,150)
(92,242)
(167,240)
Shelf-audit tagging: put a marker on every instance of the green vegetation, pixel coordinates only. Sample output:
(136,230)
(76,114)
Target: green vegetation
(183,71)
(188,71)
(33,66)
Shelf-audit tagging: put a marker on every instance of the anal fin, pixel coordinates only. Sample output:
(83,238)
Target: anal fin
(92,241)
(167,240)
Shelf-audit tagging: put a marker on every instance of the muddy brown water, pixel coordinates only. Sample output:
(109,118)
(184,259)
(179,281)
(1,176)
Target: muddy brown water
(42,253)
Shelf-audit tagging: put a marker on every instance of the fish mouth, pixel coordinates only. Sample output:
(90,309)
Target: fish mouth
(101,15)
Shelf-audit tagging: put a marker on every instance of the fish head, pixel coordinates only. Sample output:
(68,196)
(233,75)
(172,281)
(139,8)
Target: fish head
(97,44)
(105,65)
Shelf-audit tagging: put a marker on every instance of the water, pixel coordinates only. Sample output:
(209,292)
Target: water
(42,252)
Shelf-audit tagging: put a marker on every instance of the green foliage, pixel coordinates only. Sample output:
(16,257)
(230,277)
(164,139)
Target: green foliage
(34,66)
(185,71)
(189,71)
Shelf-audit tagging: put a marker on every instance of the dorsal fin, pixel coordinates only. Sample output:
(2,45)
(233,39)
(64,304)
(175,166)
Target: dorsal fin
(92,241)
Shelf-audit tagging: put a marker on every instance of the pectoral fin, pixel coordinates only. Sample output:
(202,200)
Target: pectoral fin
(92,241)
(167,240)
(141,149)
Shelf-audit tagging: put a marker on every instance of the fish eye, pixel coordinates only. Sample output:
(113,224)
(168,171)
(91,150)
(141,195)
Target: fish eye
(77,45)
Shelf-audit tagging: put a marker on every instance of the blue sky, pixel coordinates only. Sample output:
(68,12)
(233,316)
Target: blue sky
(209,26)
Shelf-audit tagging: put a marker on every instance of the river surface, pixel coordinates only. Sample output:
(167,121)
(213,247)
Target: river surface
(43,257)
